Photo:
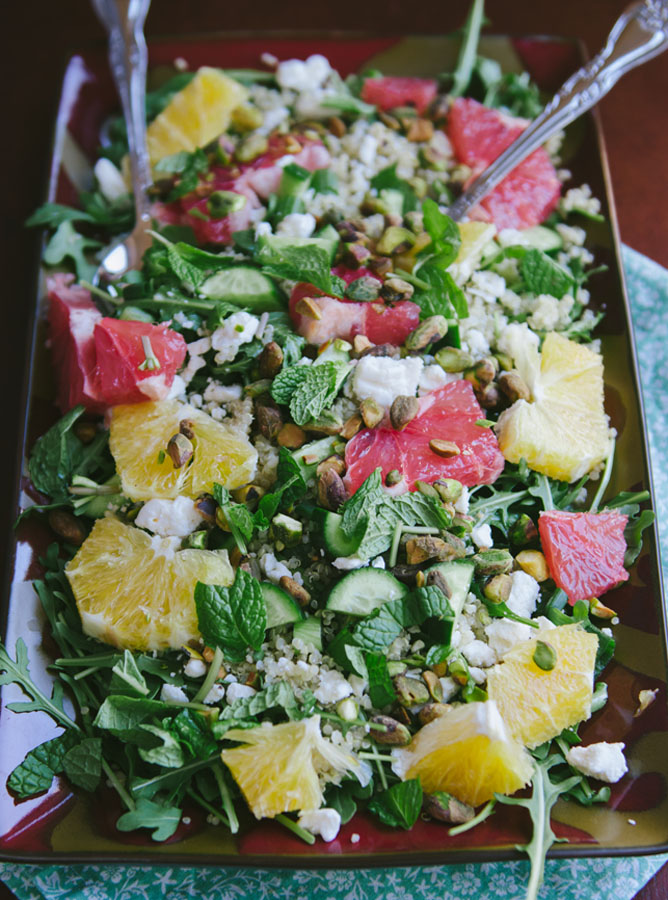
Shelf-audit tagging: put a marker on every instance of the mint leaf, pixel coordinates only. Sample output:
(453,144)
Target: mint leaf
(240,521)
(443,231)
(308,263)
(358,508)
(286,383)
(400,805)
(412,509)
(377,630)
(542,275)
(55,457)
(427,603)
(444,295)
(35,774)
(277,694)
(309,390)
(66,243)
(381,689)
(193,732)
(163,820)
(233,618)
(121,716)
(185,271)
(83,764)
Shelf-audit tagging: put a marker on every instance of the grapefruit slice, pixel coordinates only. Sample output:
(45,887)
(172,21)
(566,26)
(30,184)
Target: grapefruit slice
(584,551)
(525,197)
(449,414)
(388,92)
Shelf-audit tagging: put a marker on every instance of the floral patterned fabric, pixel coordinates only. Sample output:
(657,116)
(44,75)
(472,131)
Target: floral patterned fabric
(620,878)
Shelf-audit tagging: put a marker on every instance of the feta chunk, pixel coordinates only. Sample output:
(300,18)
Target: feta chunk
(195,668)
(237,329)
(178,517)
(478,653)
(302,75)
(333,687)
(503,634)
(348,563)
(523,595)
(170,693)
(434,377)
(236,691)
(215,695)
(482,536)
(300,225)
(273,569)
(324,822)
(462,503)
(603,761)
(383,379)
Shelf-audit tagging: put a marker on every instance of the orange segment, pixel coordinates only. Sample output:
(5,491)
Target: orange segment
(563,431)
(138,438)
(194,117)
(536,704)
(467,752)
(135,591)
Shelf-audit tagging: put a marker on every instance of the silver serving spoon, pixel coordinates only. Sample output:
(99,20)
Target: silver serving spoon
(640,33)
(124,21)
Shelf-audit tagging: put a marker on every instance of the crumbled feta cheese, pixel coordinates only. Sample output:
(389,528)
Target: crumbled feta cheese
(299,225)
(378,563)
(178,517)
(523,595)
(199,347)
(354,838)
(273,569)
(476,342)
(110,180)
(324,822)
(272,118)
(383,379)
(215,695)
(462,502)
(302,75)
(503,634)
(367,150)
(238,691)
(482,536)
(170,693)
(348,563)
(450,687)
(434,377)
(177,389)
(333,687)
(478,653)
(603,761)
(262,228)
(487,285)
(237,329)
(195,668)
(219,393)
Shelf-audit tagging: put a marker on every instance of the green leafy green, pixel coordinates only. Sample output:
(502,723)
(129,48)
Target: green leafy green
(16,671)
(543,275)
(381,689)
(237,516)
(126,677)
(399,806)
(163,820)
(193,732)
(308,263)
(35,774)
(187,167)
(377,630)
(168,753)
(122,716)
(83,763)
(309,390)
(232,618)
(277,694)
(443,231)
(468,50)
(66,243)
(55,457)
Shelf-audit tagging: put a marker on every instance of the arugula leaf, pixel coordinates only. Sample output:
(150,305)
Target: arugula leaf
(381,689)
(126,677)
(233,618)
(544,795)
(66,243)
(399,806)
(167,753)
(543,275)
(633,532)
(35,774)
(388,178)
(163,820)
(51,215)
(55,457)
(122,716)
(17,672)
(443,231)
(290,487)
(309,390)
(308,263)
(468,51)
(83,764)
(514,92)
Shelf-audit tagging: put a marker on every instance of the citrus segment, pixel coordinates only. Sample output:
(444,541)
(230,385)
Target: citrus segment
(563,431)
(584,551)
(195,115)
(537,704)
(277,766)
(466,752)
(390,91)
(135,591)
(138,438)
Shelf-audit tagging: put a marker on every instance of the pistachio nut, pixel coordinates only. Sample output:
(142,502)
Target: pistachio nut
(403,410)
(430,331)
(391,732)
(180,450)
(270,360)
(446,808)
(410,691)
(372,412)
(395,289)
(291,436)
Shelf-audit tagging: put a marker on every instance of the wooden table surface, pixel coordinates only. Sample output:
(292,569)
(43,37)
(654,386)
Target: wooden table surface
(39,36)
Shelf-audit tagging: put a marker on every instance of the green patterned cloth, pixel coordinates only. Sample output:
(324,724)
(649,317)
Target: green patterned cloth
(620,878)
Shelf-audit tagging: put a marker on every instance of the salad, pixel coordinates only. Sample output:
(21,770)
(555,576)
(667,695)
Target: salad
(329,484)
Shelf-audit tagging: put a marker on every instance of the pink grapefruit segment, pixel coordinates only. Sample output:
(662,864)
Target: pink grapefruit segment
(449,413)
(389,92)
(525,197)
(584,551)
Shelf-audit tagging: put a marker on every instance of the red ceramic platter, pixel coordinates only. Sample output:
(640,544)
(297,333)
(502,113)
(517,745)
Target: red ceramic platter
(67,827)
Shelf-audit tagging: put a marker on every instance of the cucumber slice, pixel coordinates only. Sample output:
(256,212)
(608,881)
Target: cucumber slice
(336,541)
(281,608)
(542,238)
(458,576)
(362,591)
(309,631)
(271,246)
(244,286)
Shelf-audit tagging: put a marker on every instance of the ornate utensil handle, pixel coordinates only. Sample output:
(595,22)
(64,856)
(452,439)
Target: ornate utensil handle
(124,21)
(640,33)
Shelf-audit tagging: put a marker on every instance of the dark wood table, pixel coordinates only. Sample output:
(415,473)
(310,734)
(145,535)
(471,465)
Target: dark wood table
(39,37)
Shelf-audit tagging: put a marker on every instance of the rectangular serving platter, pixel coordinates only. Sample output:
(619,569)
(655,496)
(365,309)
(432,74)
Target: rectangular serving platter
(61,826)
